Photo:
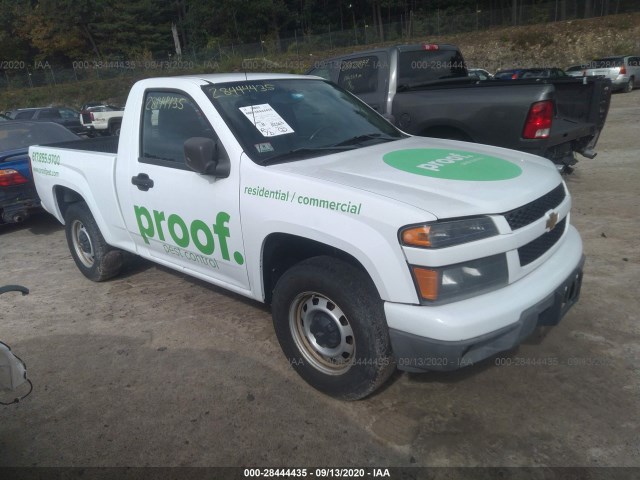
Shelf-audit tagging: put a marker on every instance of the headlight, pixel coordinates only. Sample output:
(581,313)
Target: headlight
(448,233)
(462,280)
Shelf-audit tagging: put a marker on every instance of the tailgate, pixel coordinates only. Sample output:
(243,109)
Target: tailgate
(585,100)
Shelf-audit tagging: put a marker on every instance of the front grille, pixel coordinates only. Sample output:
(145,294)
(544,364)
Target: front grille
(529,213)
(536,248)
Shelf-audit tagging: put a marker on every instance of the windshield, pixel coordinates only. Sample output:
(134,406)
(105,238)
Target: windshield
(422,66)
(289,119)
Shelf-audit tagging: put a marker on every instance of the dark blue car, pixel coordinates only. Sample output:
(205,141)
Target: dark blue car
(18,197)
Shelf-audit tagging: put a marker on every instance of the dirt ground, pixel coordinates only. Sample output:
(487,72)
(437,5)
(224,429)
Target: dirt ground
(157,369)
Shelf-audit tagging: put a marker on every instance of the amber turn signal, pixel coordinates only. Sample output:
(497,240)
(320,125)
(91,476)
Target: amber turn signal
(428,282)
(417,236)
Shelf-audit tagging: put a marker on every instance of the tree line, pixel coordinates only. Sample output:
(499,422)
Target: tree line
(63,31)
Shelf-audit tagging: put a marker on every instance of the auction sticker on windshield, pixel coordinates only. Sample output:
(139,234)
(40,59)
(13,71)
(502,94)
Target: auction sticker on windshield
(452,164)
(266,120)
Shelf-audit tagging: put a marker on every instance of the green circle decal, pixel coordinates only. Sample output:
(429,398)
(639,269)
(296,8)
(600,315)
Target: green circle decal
(452,164)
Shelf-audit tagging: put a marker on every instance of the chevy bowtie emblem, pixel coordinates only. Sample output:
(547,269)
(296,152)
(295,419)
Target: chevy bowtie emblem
(552,221)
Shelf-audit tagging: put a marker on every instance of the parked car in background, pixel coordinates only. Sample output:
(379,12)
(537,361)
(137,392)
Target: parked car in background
(65,116)
(519,73)
(544,73)
(624,72)
(481,73)
(18,196)
(576,70)
(510,74)
(102,119)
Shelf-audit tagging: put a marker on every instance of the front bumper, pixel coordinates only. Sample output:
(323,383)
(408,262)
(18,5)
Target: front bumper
(462,333)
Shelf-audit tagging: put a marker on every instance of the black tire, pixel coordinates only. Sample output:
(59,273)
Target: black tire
(97,260)
(343,350)
(629,86)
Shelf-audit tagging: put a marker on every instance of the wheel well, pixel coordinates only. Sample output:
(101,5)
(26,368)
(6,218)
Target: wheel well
(450,133)
(65,197)
(281,251)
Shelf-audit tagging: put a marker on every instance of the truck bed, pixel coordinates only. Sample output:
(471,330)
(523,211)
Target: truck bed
(98,144)
(502,105)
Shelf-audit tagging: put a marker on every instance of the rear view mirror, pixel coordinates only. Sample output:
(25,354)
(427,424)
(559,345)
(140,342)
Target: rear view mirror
(203,155)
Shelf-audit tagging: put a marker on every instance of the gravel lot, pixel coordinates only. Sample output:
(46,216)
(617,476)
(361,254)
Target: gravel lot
(154,368)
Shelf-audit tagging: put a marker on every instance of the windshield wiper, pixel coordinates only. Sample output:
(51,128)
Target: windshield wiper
(366,136)
(301,151)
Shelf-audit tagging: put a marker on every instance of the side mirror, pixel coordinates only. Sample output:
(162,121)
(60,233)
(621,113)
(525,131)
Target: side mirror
(202,155)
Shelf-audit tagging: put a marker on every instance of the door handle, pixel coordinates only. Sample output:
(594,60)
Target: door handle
(142,181)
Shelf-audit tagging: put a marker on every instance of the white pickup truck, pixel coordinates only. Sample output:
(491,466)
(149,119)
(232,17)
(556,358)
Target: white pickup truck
(102,119)
(375,249)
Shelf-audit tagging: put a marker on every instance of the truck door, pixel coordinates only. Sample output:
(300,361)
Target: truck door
(176,216)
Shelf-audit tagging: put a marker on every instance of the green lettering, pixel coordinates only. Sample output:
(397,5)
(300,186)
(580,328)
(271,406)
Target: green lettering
(147,230)
(221,230)
(200,226)
(159,218)
(183,239)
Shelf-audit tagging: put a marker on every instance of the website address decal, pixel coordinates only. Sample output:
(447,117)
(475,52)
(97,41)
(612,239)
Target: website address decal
(46,171)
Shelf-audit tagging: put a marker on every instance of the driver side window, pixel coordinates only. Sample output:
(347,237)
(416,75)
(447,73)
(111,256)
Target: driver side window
(169,119)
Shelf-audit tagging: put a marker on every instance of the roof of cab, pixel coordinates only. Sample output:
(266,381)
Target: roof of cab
(216,78)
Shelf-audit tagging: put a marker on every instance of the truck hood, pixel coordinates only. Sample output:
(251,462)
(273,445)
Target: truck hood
(445,178)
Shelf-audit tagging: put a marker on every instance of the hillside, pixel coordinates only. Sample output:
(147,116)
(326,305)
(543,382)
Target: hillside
(552,44)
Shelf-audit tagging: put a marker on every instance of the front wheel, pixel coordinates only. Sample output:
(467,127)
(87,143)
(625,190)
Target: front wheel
(97,260)
(329,320)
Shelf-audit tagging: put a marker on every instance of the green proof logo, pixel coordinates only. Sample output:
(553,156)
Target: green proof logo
(452,164)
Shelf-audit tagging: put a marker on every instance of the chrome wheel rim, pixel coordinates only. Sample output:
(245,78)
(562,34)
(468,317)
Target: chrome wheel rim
(82,243)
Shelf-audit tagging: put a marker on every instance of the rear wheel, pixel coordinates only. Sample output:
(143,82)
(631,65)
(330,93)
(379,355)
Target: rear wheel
(629,86)
(114,129)
(97,260)
(329,320)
